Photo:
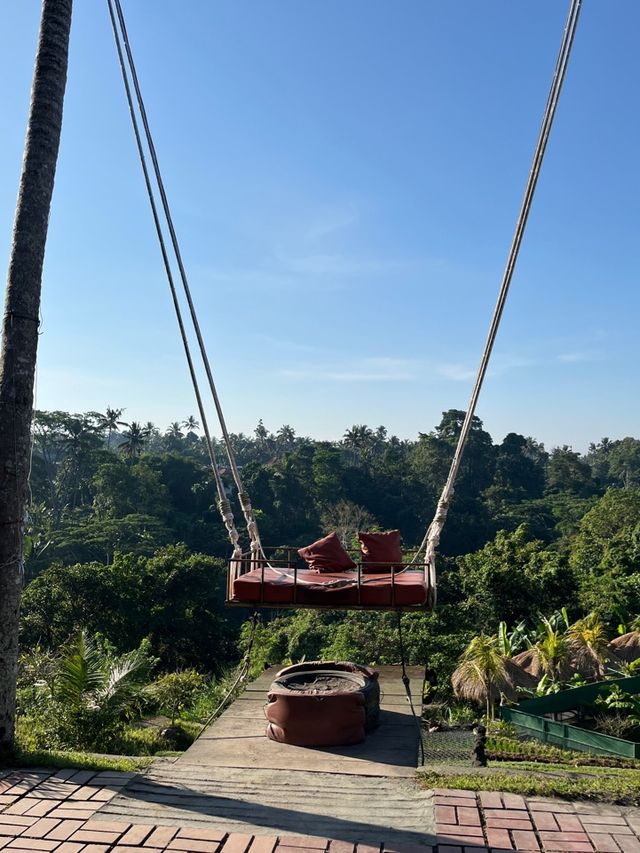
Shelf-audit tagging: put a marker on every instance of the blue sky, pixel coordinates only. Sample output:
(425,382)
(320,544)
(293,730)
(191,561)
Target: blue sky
(345,179)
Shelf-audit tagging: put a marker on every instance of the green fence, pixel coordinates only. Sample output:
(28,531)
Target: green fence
(530,720)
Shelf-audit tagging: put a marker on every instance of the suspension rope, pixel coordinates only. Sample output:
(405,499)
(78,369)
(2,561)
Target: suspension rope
(432,537)
(407,686)
(245,503)
(223,502)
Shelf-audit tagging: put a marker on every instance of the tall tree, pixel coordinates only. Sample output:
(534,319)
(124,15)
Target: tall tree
(20,331)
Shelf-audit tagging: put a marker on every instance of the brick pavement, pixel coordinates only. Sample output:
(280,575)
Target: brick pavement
(467,822)
(55,811)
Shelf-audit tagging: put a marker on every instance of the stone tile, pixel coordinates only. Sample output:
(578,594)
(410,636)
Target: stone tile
(627,843)
(604,843)
(452,801)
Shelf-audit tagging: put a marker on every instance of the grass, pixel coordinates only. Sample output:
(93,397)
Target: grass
(60,760)
(603,784)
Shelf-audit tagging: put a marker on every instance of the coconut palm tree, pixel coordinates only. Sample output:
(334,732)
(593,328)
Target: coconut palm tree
(191,424)
(482,675)
(111,421)
(134,441)
(589,646)
(20,331)
(553,652)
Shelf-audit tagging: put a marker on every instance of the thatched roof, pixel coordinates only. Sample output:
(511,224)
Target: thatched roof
(520,677)
(472,689)
(627,647)
(529,662)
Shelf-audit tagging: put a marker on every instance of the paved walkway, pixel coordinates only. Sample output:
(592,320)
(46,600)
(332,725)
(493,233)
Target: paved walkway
(468,822)
(64,812)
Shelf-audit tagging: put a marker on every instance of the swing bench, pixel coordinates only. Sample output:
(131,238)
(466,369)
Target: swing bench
(278,578)
(284,580)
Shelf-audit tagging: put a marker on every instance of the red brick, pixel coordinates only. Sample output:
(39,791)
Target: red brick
(302,841)
(468,816)
(525,840)
(161,836)
(446,814)
(81,777)
(88,836)
(509,823)
(566,842)
(69,847)
(337,847)
(455,829)
(126,848)
(263,844)
(569,823)
(65,829)
(74,814)
(32,844)
(502,814)
(96,848)
(201,833)
(106,826)
(545,820)
(513,801)
(604,843)
(137,834)
(43,807)
(192,845)
(41,828)
(499,838)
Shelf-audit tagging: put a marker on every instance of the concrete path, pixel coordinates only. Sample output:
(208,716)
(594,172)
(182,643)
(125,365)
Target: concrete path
(234,778)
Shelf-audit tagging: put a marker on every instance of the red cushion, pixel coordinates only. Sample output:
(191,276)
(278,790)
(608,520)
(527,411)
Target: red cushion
(380,551)
(327,555)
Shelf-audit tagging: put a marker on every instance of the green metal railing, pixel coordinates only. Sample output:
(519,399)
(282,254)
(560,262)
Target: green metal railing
(529,718)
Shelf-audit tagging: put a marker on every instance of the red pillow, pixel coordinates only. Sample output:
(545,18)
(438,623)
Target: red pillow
(327,555)
(381,552)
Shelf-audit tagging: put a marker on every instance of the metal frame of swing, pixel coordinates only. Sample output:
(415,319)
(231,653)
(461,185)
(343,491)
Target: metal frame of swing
(285,559)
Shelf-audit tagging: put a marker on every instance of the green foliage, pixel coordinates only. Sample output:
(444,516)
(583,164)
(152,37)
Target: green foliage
(174,691)
(512,577)
(173,598)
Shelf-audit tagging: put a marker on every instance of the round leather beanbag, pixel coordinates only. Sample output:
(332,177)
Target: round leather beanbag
(323,704)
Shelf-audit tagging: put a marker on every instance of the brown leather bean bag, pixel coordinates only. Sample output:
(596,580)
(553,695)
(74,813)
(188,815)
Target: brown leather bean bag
(335,717)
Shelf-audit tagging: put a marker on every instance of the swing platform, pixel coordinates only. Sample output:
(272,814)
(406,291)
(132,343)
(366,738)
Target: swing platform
(286,582)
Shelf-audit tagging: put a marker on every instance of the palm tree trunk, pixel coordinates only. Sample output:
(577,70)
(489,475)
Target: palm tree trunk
(20,331)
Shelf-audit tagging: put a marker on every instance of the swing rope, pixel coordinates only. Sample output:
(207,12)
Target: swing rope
(432,537)
(245,503)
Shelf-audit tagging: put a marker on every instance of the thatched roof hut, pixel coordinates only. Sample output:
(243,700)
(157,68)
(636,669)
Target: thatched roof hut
(626,647)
